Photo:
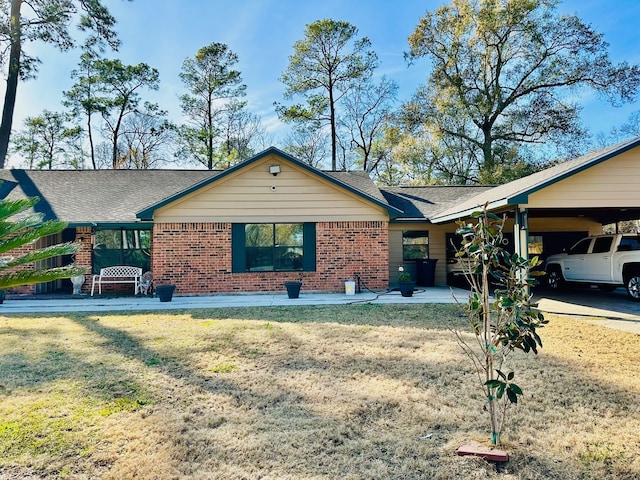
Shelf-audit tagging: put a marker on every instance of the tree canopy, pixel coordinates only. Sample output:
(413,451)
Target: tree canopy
(502,74)
(119,86)
(212,106)
(47,141)
(325,65)
(45,21)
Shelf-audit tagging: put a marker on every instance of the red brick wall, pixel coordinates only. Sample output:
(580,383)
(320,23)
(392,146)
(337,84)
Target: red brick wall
(23,289)
(82,258)
(196,257)
(83,255)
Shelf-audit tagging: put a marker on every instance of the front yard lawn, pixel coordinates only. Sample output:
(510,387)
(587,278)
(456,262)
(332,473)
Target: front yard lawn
(336,392)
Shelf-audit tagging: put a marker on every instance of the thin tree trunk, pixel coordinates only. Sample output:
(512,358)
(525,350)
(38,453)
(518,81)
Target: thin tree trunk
(488,344)
(334,139)
(89,112)
(12,81)
(91,146)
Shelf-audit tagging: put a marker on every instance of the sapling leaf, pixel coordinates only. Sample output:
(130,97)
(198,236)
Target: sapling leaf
(515,388)
(493,383)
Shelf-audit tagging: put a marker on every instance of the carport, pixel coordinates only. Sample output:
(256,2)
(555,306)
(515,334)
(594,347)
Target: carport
(578,196)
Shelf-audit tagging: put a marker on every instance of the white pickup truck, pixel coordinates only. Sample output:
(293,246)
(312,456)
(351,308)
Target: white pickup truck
(608,261)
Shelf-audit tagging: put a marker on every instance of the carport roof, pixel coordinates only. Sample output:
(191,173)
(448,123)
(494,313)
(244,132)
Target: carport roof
(517,191)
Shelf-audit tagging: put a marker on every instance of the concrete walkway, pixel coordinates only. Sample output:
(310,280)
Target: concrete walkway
(611,309)
(97,303)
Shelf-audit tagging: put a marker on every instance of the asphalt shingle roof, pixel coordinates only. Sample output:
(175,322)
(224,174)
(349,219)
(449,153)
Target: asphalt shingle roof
(426,202)
(115,196)
(98,196)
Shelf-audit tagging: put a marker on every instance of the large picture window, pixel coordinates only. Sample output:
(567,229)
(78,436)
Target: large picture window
(273,247)
(121,247)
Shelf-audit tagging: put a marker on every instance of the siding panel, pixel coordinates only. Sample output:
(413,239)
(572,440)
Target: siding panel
(250,196)
(613,183)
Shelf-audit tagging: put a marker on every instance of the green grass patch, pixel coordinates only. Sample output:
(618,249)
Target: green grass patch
(225,367)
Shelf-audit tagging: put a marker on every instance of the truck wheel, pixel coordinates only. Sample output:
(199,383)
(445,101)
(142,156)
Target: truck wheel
(555,279)
(633,286)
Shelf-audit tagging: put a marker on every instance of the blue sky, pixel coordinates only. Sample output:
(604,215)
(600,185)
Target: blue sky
(162,33)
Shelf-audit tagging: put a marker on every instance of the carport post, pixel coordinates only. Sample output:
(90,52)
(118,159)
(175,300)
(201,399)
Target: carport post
(521,235)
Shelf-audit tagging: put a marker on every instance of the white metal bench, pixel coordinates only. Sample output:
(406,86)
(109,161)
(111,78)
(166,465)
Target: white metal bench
(117,274)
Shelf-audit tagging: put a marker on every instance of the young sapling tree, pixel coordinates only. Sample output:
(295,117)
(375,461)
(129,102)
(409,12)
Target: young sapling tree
(502,322)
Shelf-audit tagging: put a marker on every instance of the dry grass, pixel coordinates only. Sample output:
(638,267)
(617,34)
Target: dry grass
(342,392)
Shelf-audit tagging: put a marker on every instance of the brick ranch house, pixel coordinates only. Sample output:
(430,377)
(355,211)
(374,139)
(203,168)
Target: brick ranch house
(272,219)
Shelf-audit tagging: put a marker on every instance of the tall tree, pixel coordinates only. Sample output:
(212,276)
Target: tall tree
(502,73)
(308,142)
(325,65)
(47,140)
(399,158)
(368,110)
(212,83)
(46,21)
(238,129)
(145,138)
(83,98)
(120,86)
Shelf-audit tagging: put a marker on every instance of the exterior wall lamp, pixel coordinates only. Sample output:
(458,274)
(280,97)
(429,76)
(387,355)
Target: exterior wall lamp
(274,169)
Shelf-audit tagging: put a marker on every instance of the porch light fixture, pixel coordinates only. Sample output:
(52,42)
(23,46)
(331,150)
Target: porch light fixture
(274,169)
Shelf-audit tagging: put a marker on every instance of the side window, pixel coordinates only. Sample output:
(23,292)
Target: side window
(415,244)
(536,244)
(581,247)
(602,245)
(629,243)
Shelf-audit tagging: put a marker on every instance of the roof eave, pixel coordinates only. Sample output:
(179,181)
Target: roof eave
(452,217)
(112,224)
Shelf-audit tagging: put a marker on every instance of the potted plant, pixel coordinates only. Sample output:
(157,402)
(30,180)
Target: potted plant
(165,292)
(293,288)
(406,284)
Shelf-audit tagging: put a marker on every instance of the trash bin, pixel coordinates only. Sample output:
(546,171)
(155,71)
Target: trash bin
(426,272)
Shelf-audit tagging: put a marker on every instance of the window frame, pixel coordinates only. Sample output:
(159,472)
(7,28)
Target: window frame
(413,234)
(142,236)
(238,247)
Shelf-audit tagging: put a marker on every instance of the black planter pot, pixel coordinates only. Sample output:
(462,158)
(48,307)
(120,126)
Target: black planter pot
(406,289)
(165,292)
(293,289)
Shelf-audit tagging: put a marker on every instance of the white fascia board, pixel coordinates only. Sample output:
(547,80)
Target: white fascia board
(452,217)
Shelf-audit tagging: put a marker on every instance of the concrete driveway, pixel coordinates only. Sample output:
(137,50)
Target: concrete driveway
(611,309)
